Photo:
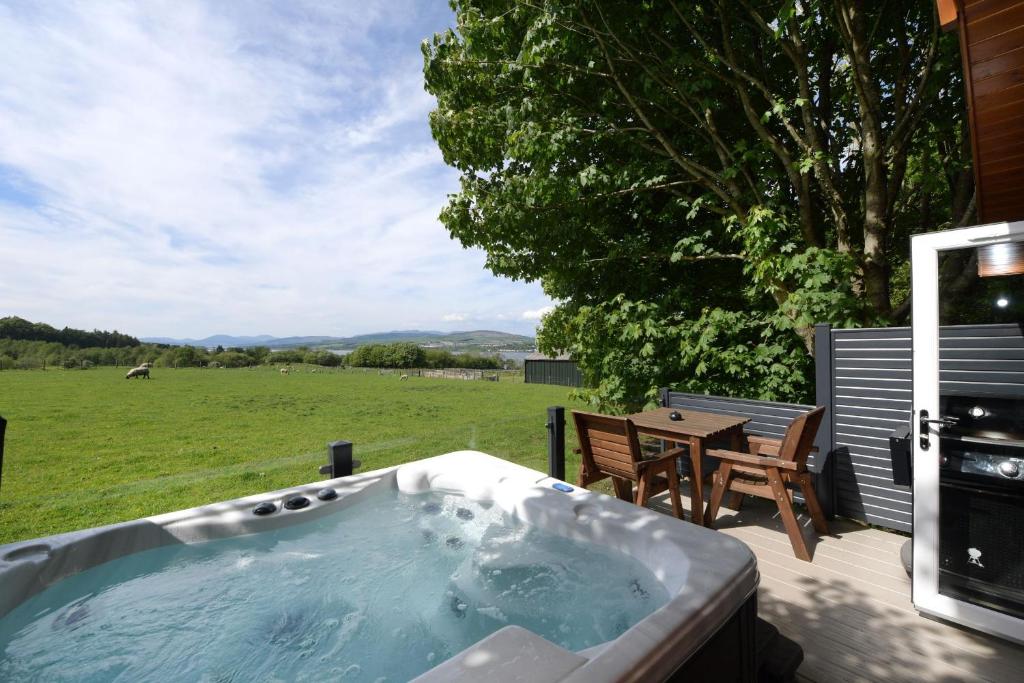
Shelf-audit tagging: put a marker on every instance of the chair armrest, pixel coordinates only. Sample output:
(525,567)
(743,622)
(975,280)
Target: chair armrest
(748,459)
(670,454)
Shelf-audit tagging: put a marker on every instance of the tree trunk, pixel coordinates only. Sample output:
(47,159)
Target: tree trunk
(876,204)
(876,220)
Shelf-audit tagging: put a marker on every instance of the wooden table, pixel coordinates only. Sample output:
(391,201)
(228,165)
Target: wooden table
(694,429)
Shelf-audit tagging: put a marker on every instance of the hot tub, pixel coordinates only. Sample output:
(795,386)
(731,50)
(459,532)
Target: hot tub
(458,567)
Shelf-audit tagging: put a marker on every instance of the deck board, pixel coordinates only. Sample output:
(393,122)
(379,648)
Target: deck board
(850,609)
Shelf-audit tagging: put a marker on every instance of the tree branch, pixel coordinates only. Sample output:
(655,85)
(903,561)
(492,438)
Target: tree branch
(697,170)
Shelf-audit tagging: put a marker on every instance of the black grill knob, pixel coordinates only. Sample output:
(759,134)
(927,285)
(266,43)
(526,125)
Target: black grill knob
(1008,468)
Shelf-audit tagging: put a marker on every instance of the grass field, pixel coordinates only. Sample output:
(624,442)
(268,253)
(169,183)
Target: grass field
(89,447)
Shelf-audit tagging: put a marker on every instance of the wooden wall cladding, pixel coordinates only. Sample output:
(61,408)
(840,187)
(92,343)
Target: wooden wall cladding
(992,46)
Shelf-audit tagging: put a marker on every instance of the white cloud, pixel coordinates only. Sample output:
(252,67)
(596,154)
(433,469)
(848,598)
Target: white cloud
(453,317)
(187,168)
(537,314)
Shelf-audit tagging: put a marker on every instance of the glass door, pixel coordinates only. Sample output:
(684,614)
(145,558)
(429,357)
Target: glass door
(968,362)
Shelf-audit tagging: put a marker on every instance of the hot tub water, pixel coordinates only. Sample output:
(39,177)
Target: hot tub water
(381,591)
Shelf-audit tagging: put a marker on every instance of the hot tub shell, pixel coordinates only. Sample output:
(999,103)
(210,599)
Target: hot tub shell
(705,631)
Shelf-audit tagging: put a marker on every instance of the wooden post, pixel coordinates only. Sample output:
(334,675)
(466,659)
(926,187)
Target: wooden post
(556,442)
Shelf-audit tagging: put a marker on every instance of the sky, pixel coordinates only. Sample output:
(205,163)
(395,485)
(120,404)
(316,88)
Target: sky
(189,168)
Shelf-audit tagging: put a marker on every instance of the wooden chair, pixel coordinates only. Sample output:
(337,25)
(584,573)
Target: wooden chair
(767,470)
(609,447)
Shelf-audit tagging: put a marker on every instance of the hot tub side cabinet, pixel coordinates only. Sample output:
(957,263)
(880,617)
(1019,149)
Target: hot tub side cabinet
(729,655)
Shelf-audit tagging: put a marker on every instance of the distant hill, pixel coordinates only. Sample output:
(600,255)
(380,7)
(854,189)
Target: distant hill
(414,336)
(214,341)
(486,338)
(480,340)
(475,340)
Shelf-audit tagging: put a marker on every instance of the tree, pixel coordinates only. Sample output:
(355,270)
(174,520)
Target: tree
(697,184)
(13,327)
(231,359)
(286,356)
(187,356)
(396,355)
(323,357)
(259,354)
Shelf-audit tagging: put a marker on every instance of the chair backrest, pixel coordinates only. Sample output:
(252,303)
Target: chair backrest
(609,444)
(799,437)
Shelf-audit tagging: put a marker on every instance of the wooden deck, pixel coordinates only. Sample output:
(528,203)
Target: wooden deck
(850,608)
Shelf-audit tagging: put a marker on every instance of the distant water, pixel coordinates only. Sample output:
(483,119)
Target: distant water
(517,356)
(382,591)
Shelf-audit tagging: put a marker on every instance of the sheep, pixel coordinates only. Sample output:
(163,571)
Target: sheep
(140,371)
(284,371)
(403,378)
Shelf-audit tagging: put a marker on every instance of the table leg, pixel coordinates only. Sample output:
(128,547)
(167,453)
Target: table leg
(736,444)
(696,481)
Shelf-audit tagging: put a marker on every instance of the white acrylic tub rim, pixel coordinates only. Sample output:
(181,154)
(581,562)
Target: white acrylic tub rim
(708,575)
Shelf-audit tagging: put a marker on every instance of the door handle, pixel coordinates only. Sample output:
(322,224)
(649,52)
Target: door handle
(924,421)
(944,421)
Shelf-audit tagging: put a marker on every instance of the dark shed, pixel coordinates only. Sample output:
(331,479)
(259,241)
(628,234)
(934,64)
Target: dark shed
(541,369)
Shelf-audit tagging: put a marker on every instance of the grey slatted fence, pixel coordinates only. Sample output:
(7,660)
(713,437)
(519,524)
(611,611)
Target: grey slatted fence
(871,388)
(870,385)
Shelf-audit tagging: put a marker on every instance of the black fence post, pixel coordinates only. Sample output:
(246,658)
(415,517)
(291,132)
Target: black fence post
(3,429)
(825,440)
(663,397)
(556,442)
(339,460)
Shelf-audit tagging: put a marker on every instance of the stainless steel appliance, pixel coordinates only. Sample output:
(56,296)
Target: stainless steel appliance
(981,501)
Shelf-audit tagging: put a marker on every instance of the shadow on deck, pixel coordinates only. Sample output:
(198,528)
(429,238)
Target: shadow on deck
(850,609)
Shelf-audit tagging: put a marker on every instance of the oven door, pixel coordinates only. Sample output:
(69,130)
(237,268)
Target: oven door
(963,279)
(981,553)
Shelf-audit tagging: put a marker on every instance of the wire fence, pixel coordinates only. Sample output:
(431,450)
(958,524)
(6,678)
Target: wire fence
(75,480)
